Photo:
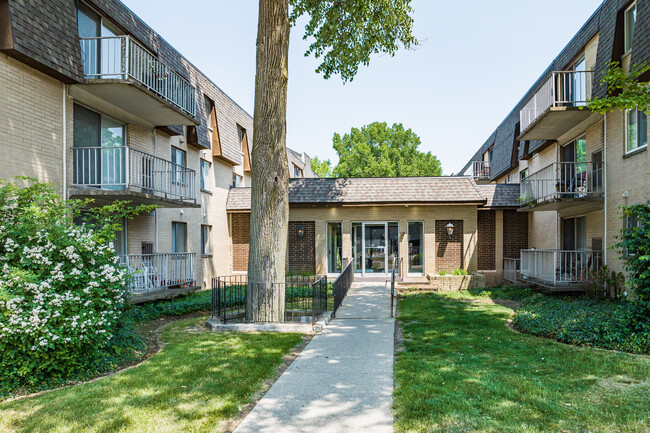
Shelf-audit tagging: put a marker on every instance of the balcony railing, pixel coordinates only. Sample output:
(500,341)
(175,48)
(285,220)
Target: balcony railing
(511,270)
(160,270)
(122,58)
(481,170)
(562,180)
(124,168)
(556,268)
(562,89)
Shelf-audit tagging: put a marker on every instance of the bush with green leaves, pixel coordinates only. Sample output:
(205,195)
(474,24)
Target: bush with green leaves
(581,321)
(62,291)
(634,247)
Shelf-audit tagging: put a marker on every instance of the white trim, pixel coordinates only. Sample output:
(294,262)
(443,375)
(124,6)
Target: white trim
(625,143)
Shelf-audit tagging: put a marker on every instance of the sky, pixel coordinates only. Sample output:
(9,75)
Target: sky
(475,60)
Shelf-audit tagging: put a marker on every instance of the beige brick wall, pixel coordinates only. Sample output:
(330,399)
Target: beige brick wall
(401,214)
(624,174)
(31,124)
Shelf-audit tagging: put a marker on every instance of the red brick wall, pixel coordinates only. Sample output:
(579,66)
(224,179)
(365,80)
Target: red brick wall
(302,252)
(240,235)
(515,233)
(449,250)
(486,244)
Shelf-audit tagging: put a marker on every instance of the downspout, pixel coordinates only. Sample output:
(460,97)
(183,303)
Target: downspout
(155,211)
(64,152)
(605,186)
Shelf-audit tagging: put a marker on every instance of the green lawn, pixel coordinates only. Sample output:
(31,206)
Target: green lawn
(463,370)
(199,380)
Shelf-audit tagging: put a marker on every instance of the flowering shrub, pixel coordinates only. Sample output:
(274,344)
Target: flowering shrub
(62,292)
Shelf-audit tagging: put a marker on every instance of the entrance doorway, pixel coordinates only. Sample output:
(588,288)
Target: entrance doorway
(374,246)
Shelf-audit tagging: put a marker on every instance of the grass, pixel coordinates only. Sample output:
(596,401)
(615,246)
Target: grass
(463,370)
(198,380)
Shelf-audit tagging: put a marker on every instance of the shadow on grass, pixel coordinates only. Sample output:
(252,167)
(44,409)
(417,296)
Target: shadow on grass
(462,369)
(197,381)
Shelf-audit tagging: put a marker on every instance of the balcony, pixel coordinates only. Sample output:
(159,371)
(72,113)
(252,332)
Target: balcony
(120,71)
(559,270)
(160,275)
(481,170)
(566,187)
(557,107)
(123,173)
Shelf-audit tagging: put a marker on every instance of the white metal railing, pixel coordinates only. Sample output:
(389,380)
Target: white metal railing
(121,168)
(561,89)
(562,180)
(559,267)
(160,270)
(510,269)
(123,58)
(481,170)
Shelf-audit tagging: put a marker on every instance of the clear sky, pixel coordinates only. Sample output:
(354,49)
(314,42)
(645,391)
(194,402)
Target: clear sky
(476,60)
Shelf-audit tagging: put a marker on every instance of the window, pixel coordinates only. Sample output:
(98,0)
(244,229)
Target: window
(178,162)
(243,139)
(630,22)
(209,111)
(636,130)
(334,248)
(179,235)
(297,171)
(523,174)
(205,175)
(237,180)
(206,244)
(416,242)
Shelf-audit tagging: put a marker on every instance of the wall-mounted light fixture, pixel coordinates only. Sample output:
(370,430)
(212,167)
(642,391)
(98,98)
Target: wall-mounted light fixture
(450,229)
(301,232)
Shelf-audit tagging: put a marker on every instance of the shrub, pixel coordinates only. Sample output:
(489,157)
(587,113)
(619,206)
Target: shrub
(460,272)
(634,247)
(198,301)
(606,324)
(62,292)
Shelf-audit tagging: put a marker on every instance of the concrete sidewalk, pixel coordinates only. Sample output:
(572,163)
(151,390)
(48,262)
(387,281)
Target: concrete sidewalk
(343,380)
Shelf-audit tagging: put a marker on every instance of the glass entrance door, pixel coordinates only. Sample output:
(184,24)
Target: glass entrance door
(375,248)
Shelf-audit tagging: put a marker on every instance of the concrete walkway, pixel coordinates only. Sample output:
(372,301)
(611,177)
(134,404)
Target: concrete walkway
(343,380)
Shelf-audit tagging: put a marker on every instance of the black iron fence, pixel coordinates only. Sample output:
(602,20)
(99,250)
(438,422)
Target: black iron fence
(305,297)
(396,270)
(342,284)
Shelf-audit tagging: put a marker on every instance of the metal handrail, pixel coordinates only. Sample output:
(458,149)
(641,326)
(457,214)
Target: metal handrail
(561,89)
(122,167)
(559,267)
(562,180)
(159,270)
(397,260)
(342,284)
(123,58)
(481,170)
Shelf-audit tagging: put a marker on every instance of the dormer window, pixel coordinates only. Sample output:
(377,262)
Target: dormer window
(630,22)
(297,171)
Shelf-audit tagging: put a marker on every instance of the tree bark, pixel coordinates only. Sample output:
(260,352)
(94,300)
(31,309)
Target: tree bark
(270,174)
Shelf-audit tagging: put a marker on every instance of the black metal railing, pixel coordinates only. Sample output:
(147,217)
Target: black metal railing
(305,297)
(396,270)
(342,284)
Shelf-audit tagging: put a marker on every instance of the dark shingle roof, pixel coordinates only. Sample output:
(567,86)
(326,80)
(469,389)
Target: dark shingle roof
(500,194)
(424,190)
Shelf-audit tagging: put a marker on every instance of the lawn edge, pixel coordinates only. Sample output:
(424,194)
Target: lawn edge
(231,424)
(154,346)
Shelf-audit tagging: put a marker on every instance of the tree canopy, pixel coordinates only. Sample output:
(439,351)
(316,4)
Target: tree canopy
(322,168)
(377,150)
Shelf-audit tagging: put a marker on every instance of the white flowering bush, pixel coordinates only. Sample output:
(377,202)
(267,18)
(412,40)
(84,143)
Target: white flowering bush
(62,291)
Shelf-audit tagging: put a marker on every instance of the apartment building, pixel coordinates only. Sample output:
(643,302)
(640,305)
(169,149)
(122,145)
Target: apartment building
(99,104)
(575,168)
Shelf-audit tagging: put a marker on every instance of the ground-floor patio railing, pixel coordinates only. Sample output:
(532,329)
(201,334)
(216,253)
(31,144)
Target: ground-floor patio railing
(305,297)
(511,269)
(559,267)
(160,270)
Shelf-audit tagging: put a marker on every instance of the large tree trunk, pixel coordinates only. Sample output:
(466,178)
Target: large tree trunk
(269,195)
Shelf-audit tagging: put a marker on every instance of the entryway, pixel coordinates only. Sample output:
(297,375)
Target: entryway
(374,246)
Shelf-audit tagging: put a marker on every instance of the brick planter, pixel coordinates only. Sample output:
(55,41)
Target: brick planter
(449,283)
